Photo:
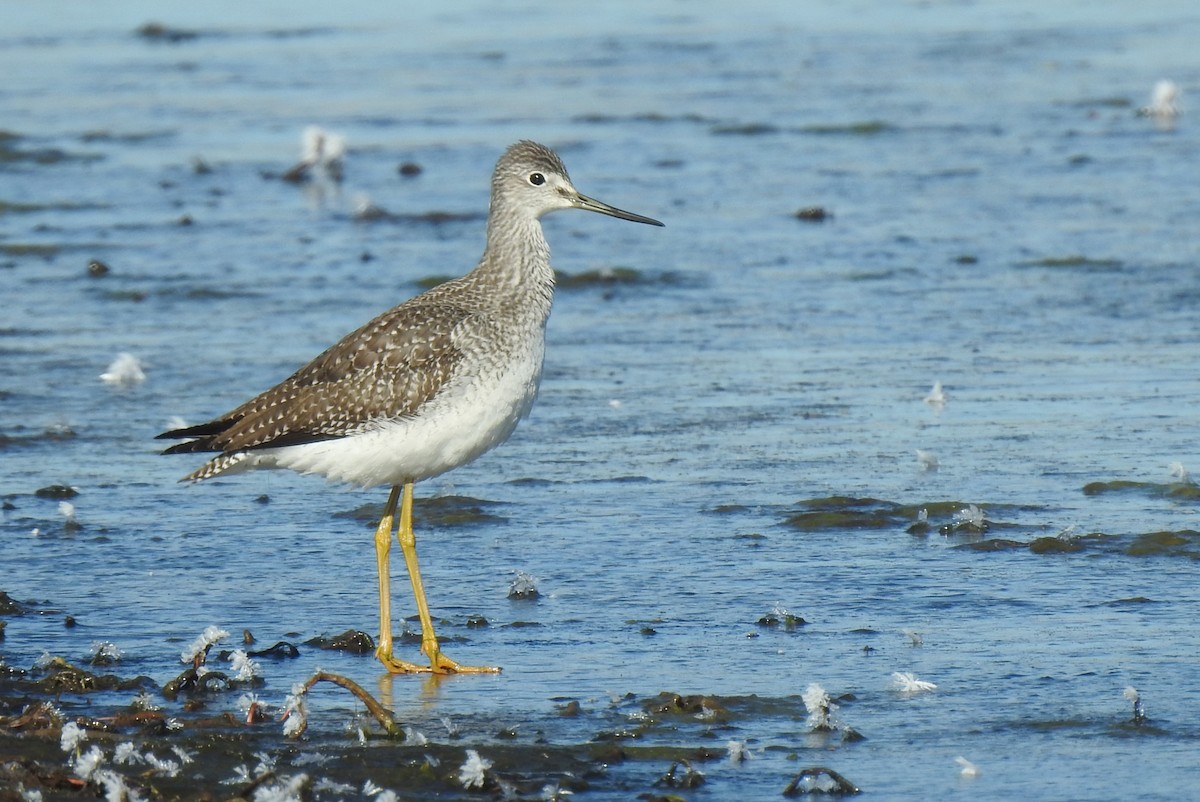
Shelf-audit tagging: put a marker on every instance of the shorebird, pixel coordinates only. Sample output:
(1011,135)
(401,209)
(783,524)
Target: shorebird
(425,387)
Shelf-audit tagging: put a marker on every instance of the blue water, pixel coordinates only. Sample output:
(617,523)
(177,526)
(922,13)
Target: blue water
(1002,221)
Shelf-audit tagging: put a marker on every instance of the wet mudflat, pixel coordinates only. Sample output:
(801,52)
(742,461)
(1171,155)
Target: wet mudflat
(199,746)
(876,457)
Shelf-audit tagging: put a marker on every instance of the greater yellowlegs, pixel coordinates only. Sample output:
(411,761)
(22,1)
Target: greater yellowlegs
(424,387)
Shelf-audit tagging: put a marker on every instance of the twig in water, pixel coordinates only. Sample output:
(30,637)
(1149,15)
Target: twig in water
(381,713)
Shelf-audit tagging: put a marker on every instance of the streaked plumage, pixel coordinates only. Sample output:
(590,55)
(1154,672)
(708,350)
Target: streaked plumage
(424,387)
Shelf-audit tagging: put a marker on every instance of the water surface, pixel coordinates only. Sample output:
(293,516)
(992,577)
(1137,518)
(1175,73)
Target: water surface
(1000,220)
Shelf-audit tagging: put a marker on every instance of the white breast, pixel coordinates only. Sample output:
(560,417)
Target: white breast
(476,411)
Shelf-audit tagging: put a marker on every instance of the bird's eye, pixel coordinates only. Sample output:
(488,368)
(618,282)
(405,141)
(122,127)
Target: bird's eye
(537,179)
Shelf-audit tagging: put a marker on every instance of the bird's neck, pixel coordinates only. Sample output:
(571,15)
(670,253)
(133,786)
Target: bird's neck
(516,264)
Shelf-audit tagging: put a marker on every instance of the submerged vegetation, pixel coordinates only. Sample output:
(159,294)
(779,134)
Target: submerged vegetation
(976,527)
(208,734)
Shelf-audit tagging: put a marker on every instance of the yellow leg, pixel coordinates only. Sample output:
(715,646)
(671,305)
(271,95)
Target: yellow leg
(383,542)
(438,662)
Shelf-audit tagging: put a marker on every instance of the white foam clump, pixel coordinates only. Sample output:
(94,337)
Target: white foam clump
(907,682)
(126,753)
(144,701)
(241,776)
(72,736)
(1139,713)
(246,668)
(211,635)
(326,785)
(322,148)
(310,759)
(321,155)
(287,789)
(115,789)
(370,789)
(251,705)
(472,773)
(126,369)
(523,586)
(266,764)
(1163,100)
(168,768)
(737,751)
(86,764)
(971,514)
(936,397)
(106,651)
(818,784)
(29,794)
(295,711)
(820,707)
(553,792)
(367,209)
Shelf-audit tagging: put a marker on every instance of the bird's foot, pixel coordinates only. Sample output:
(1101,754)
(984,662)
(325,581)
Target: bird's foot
(396,666)
(438,664)
(441,664)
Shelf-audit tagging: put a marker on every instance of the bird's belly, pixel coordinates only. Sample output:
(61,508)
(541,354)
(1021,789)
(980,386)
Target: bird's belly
(466,419)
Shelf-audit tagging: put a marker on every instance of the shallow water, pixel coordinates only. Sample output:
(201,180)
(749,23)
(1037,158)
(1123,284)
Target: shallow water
(1001,221)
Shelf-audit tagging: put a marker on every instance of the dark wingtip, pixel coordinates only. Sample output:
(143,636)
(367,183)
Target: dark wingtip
(198,435)
(188,431)
(181,448)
